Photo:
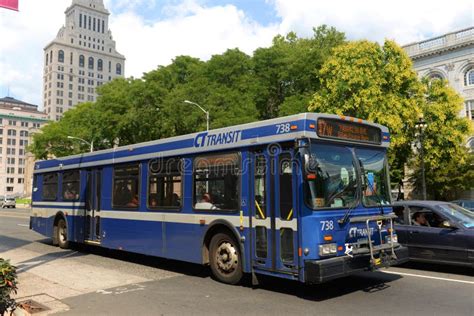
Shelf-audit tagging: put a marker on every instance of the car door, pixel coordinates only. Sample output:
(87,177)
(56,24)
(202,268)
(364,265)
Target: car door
(432,243)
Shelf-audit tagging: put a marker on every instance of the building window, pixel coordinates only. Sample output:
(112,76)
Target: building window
(216,182)
(12,122)
(81,61)
(102,26)
(47,55)
(118,69)
(469,77)
(89,20)
(61,56)
(11,132)
(51,57)
(93,25)
(470,109)
(126,180)
(80,19)
(110,66)
(91,63)
(436,76)
(70,58)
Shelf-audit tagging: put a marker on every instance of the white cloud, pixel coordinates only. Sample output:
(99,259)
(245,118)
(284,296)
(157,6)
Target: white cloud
(192,30)
(190,27)
(403,20)
(23,36)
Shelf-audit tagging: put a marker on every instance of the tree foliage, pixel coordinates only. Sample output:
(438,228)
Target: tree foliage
(449,168)
(377,83)
(234,87)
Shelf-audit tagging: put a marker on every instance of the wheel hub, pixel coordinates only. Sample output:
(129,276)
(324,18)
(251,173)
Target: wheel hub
(227,259)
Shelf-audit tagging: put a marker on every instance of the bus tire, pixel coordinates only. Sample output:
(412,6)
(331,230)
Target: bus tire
(225,259)
(61,236)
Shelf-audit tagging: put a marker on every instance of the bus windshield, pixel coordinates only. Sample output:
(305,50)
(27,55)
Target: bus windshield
(374,170)
(333,180)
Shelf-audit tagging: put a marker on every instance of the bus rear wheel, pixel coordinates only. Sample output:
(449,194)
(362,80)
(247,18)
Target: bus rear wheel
(62,234)
(225,259)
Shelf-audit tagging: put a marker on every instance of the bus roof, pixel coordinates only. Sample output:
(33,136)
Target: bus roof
(278,130)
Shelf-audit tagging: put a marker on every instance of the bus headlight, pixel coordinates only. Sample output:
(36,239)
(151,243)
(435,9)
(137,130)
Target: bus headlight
(327,249)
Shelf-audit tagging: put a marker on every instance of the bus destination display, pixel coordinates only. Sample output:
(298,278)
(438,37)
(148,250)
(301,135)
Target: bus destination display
(331,128)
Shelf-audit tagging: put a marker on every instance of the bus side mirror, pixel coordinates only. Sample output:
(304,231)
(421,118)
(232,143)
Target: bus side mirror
(312,164)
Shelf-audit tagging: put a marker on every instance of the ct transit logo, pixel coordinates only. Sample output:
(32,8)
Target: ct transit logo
(205,140)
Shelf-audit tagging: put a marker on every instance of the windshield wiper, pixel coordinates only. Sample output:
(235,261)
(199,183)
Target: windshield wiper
(343,220)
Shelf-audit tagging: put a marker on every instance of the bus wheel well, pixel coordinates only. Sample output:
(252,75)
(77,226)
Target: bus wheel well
(211,232)
(55,227)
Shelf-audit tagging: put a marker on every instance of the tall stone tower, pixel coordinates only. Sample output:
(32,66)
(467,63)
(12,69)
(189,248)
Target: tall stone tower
(80,58)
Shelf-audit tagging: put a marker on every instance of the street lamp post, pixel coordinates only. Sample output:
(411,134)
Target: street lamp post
(91,143)
(421,125)
(201,108)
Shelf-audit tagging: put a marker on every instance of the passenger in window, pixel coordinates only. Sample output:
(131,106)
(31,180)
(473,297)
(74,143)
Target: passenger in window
(420,219)
(70,193)
(153,202)
(205,203)
(175,200)
(133,202)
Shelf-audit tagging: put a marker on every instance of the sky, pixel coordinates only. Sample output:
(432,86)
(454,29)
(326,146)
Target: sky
(152,32)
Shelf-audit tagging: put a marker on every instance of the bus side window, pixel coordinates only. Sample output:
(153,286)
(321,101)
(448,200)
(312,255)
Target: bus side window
(50,186)
(126,183)
(216,182)
(164,183)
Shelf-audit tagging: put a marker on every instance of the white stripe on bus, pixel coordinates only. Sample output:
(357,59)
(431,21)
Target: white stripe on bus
(181,218)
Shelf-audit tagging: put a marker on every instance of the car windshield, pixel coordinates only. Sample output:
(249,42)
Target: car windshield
(375,176)
(333,182)
(459,214)
(10,199)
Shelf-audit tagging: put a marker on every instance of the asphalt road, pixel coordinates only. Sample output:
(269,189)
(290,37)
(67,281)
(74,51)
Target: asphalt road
(89,280)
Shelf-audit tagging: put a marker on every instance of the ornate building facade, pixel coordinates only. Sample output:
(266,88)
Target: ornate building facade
(80,58)
(449,57)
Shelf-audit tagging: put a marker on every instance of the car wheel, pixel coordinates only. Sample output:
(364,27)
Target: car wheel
(225,259)
(62,234)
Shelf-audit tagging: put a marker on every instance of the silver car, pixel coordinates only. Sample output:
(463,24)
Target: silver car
(8,202)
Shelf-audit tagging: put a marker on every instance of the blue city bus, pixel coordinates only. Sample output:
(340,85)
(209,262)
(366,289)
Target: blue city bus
(304,197)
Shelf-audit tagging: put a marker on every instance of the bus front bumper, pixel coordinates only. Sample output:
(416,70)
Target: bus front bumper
(320,271)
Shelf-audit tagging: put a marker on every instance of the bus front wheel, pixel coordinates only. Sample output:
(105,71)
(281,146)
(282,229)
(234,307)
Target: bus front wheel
(225,259)
(62,234)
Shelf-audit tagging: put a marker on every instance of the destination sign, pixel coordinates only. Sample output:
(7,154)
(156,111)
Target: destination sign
(333,128)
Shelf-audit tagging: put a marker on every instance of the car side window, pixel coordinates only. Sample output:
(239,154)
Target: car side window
(400,212)
(422,216)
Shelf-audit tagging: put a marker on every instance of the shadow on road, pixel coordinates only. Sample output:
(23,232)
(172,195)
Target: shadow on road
(9,243)
(440,268)
(368,282)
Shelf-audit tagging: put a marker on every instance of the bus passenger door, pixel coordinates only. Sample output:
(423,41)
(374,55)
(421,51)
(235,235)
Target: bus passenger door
(274,218)
(92,206)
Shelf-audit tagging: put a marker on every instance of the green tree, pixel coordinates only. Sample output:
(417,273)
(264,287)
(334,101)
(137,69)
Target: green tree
(376,83)
(449,168)
(287,73)
(366,80)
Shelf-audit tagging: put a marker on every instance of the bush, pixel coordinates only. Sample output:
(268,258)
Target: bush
(8,286)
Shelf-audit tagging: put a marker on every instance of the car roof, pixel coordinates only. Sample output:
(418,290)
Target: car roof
(420,203)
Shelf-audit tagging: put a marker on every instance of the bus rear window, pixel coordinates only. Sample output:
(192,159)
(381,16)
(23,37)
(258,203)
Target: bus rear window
(216,182)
